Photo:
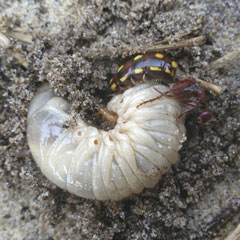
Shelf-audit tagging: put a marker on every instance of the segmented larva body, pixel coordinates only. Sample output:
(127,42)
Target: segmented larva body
(113,164)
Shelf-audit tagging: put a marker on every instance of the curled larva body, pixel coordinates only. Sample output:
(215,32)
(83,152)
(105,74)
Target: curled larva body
(112,164)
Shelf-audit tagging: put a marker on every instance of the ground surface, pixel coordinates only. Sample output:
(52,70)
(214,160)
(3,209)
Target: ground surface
(75,47)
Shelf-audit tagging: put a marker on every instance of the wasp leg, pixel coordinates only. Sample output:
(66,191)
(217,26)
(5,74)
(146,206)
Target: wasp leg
(156,98)
(204,116)
(192,105)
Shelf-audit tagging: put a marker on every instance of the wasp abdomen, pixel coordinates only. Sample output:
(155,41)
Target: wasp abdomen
(142,68)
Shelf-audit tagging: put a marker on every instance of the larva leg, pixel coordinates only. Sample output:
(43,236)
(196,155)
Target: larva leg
(112,117)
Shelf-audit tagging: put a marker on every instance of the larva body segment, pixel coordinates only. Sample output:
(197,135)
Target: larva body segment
(112,164)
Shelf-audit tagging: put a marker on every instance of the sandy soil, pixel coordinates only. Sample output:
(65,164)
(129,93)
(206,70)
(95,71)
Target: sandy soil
(75,46)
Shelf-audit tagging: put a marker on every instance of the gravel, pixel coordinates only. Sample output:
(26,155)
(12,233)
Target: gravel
(75,46)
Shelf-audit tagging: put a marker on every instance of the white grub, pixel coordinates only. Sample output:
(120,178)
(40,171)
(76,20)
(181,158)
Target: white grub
(107,165)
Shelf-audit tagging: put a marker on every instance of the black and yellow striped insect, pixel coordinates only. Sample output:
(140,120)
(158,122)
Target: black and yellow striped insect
(143,68)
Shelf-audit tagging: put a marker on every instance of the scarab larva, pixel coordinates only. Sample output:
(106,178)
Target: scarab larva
(114,164)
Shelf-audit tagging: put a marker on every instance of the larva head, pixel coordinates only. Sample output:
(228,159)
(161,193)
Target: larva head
(149,67)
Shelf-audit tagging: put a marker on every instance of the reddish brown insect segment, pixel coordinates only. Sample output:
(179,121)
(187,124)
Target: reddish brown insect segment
(188,92)
(143,68)
(191,94)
